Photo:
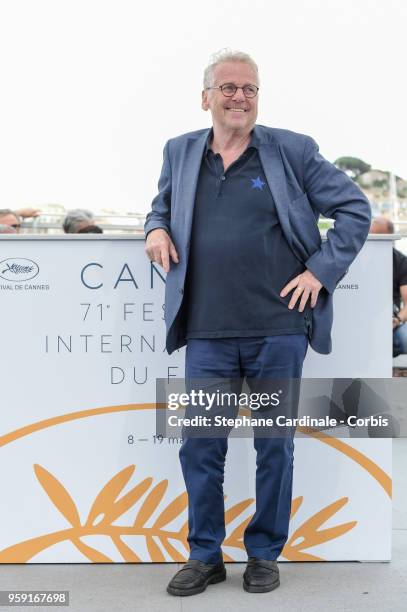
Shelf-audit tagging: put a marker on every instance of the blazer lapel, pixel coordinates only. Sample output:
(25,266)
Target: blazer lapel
(274,171)
(190,171)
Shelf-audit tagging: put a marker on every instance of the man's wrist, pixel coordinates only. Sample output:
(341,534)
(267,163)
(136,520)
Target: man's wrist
(153,230)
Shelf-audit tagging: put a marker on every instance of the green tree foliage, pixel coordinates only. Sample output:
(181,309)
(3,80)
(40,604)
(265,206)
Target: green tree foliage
(353,166)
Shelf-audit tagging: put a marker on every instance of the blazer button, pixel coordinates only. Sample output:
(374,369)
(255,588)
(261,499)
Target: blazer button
(181,291)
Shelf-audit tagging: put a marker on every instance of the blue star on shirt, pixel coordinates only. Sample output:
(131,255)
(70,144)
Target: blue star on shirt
(257,183)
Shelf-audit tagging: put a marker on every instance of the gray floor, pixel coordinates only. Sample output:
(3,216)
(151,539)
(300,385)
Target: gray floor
(307,587)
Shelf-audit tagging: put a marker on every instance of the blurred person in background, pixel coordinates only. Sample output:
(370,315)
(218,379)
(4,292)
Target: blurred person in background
(11,219)
(78,219)
(381,225)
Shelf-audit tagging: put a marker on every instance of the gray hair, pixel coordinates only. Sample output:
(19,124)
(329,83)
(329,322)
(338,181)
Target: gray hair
(74,218)
(227,55)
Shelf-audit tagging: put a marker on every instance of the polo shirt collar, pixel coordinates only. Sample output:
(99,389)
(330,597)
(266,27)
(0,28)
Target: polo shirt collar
(254,140)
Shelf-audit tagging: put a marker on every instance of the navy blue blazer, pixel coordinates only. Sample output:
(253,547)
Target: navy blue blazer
(303,184)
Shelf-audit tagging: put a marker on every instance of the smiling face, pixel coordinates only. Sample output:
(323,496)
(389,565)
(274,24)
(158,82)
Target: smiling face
(236,113)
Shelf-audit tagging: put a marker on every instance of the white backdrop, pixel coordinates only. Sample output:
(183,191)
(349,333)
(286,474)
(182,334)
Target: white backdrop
(68,426)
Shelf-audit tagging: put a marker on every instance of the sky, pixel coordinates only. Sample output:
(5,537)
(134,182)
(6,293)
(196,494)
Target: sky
(92,89)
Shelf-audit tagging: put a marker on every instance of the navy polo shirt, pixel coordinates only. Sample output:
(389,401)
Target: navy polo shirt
(239,259)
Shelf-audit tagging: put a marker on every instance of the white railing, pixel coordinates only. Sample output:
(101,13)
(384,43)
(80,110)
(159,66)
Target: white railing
(51,223)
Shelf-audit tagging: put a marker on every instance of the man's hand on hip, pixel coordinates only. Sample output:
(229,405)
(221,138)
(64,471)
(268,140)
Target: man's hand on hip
(159,248)
(396,323)
(306,284)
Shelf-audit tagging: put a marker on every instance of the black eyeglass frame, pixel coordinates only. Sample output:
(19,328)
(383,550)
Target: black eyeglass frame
(236,88)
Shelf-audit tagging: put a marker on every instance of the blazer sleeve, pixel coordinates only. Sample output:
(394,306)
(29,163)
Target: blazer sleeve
(160,214)
(334,195)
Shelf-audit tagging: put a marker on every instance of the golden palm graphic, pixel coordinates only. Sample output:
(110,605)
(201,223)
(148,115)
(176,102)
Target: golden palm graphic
(109,507)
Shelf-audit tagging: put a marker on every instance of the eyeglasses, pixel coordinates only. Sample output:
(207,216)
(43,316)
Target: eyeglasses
(15,225)
(229,90)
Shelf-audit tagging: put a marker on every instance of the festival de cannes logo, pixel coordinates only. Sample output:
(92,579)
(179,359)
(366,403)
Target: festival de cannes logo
(18,269)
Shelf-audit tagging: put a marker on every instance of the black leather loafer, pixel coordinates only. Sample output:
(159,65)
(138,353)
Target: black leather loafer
(195,576)
(261,575)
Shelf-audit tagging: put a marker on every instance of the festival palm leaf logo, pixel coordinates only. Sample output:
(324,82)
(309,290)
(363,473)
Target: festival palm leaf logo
(109,506)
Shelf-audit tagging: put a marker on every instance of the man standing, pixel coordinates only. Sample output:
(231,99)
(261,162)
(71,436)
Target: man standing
(239,203)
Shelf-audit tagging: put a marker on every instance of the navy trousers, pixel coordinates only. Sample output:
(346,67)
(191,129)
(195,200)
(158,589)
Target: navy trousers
(203,459)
